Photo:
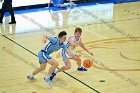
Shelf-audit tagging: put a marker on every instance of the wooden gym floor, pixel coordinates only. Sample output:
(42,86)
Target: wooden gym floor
(111,32)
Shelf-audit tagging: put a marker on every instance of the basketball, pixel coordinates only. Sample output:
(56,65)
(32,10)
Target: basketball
(87,63)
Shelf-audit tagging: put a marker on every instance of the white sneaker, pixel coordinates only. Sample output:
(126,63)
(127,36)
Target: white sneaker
(48,81)
(32,78)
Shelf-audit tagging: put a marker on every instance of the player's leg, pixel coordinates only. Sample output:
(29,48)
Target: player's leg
(42,60)
(2,11)
(66,61)
(63,68)
(11,11)
(67,65)
(36,71)
(54,65)
(78,60)
(41,68)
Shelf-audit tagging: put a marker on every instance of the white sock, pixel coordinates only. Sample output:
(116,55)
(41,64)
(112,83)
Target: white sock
(55,71)
(79,67)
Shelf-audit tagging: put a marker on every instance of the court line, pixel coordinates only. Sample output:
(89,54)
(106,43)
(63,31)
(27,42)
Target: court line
(58,68)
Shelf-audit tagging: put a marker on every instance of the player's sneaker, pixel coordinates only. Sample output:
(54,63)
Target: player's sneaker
(52,76)
(48,81)
(81,69)
(32,78)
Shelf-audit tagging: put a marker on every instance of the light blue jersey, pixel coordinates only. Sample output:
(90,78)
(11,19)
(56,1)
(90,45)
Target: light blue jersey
(51,47)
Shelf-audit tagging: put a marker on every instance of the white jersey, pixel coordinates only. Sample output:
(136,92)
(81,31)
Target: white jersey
(72,47)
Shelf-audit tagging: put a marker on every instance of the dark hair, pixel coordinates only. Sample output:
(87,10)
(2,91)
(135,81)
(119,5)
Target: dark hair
(78,29)
(62,33)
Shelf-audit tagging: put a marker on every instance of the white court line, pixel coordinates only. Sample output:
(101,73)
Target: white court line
(82,27)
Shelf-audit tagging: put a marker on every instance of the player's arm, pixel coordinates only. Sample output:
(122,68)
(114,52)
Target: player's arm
(44,39)
(51,39)
(82,46)
(68,52)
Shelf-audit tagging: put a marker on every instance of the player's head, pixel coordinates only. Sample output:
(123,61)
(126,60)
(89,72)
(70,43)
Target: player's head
(78,32)
(62,36)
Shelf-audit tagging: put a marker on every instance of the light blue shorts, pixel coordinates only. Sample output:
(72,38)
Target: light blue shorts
(43,57)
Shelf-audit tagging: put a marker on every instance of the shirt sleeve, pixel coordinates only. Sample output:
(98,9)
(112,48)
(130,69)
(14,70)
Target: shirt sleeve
(65,47)
(52,39)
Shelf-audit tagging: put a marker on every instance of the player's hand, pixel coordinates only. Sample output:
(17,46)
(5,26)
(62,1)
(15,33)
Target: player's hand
(44,40)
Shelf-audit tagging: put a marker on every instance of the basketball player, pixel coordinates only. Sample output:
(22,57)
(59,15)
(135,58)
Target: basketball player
(73,41)
(44,55)
(7,6)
